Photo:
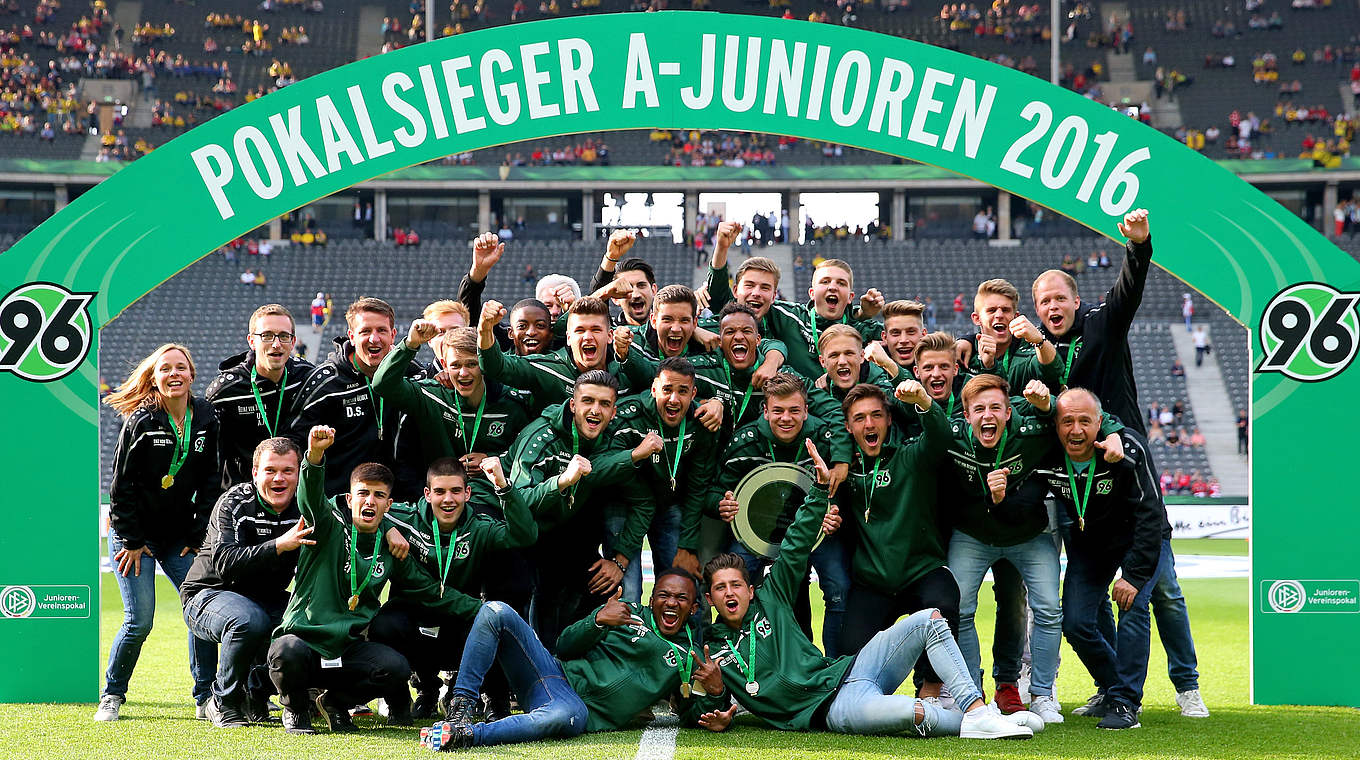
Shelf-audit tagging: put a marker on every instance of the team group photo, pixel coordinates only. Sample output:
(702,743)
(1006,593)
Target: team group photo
(830,391)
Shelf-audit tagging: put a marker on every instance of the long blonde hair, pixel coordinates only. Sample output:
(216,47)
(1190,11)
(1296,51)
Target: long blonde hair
(139,389)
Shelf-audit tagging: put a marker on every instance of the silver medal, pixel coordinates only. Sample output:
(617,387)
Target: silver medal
(752,688)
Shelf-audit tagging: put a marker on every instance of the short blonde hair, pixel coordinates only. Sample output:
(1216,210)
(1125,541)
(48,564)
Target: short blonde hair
(997,287)
(838,331)
(271,310)
(835,264)
(903,308)
(938,341)
(446,306)
(981,384)
(757,264)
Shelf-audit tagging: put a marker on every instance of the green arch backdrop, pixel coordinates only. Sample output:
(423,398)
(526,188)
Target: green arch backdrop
(80,268)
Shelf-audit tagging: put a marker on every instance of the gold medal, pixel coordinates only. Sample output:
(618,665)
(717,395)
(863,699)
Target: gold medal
(698,688)
(167,481)
(353,602)
(685,690)
(441,588)
(1081,523)
(866,515)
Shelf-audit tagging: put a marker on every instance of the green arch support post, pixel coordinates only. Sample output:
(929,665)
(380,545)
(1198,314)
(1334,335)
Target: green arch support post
(83,266)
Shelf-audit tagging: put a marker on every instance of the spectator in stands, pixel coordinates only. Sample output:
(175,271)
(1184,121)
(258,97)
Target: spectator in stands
(1198,487)
(1182,482)
(1155,432)
(1154,412)
(1202,347)
(1187,310)
(1167,481)
(1242,424)
(1166,417)
(1104,260)
(1177,369)
(248,278)
(1173,436)
(260,281)
(1197,438)
(980,224)
(1178,411)
(318,309)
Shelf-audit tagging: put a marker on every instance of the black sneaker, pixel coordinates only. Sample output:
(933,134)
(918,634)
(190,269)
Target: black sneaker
(1099,709)
(1095,701)
(399,711)
(462,711)
(257,706)
(496,709)
(224,716)
(337,718)
(1119,716)
(443,737)
(296,722)
(425,705)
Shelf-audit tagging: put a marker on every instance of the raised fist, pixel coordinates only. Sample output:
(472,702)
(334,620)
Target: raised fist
(986,350)
(1135,225)
(422,332)
(1038,395)
(912,392)
(996,484)
(320,438)
(577,468)
(619,243)
(1025,330)
(871,303)
(487,249)
(623,339)
(651,444)
(728,232)
(491,467)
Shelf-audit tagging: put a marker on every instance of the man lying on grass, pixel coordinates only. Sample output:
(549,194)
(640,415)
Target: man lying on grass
(610,666)
(775,672)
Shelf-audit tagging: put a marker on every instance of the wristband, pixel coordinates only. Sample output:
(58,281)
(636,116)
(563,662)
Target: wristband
(620,566)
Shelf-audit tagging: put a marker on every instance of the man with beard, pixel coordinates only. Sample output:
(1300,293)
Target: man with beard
(340,395)
(779,435)
(764,662)
(1093,348)
(1120,527)
(634,279)
(677,478)
(550,377)
(452,542)
(254,393)
(573,477)
(530,330)
(798,326)
(611,665)
(237,588)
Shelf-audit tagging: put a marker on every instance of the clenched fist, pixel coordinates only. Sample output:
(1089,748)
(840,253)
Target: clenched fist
(912,392)
(422,331)
(996,484)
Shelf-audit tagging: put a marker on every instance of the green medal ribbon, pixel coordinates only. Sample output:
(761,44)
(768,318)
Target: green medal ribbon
(259,402)
(872,487)
(949,410)
(812,324)
(575,449)
(684,663)
(377,402)
(752,687)
(1006,364)
(1083,501)
(679,445)
(181,454)
(442,562)
(1072,349)
(468,443)
(746,399)
(356,588)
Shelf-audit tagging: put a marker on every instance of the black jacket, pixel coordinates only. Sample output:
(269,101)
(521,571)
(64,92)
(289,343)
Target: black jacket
(470,295)
(238,554)
(240,423)
(141,511)
(1125,520)
(1103,364)
(336,394)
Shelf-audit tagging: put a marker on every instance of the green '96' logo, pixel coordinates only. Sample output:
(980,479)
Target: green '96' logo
(1309,332)
(45,331)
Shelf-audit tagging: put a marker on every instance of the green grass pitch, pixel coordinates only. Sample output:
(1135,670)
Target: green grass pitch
(158,718)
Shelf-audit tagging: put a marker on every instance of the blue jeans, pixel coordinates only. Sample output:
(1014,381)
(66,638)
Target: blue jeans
(242,628)
(139,610)
(1118,663)
(551,707)
(1173,626)
(866,702)
(1037,562)
(664,539)
(832,563)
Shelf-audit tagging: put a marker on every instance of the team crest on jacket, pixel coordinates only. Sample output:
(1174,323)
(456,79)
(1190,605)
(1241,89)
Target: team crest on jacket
(496,429)
(461,549)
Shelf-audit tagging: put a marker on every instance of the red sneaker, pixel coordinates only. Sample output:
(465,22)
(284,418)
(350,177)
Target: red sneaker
(1008,699)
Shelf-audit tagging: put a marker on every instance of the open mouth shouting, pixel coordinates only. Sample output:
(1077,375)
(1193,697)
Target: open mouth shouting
(872,438)
(758,305)
(671,412)
(844,376)
(593,424)
(988,432)
(368,514)
(637,305)
(1001,329)
(673,343)
(590,353)
(1056,322)
(937,388)
(741,355)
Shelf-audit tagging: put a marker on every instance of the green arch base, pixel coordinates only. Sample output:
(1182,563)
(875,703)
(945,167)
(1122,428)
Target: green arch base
(678,70)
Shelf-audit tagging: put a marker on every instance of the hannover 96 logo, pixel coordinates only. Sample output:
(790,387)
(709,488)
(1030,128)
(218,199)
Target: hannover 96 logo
(1309,332)
(45,331)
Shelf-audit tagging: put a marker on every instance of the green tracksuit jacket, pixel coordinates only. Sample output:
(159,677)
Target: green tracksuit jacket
(318,611)
(549,377)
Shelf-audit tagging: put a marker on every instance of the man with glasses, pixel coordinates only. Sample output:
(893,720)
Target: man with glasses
(255,390)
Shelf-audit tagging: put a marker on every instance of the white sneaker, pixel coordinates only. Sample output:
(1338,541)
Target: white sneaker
(1022,683)
(988,723)
(940,703)
(1094,701)
(1192,704)
(1027,719)
(108,708)
(1047,708)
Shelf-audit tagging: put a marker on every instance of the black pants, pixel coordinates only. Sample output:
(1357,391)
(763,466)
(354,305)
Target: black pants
(562,561)
(399,625)
(1012,622)
(368,670)
(869,611)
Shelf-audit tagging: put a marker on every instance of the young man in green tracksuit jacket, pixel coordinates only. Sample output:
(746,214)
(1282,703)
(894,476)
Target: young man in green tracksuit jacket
(779,436)
(799,326)
(610,666)
(756,654)
(677,478)
(899,558)
(1008,344)
(549,377)
(472,420)
(341,571)
(573,477)
(453,543)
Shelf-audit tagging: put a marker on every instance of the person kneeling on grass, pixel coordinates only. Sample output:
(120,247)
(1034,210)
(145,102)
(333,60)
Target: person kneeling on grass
(610,666)
(320,644)
(776,673)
